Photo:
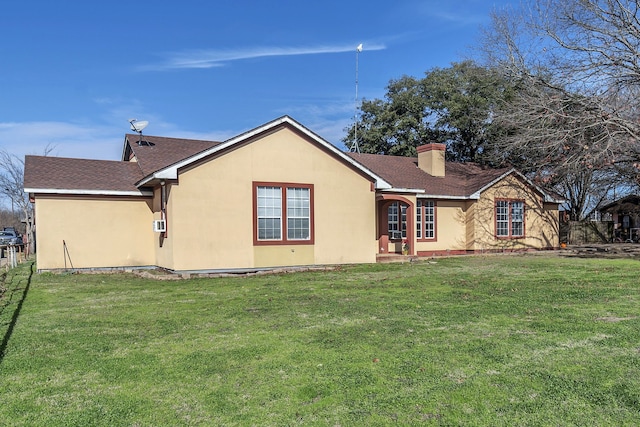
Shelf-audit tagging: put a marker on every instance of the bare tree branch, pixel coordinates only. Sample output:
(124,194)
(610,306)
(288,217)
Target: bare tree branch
(577,66)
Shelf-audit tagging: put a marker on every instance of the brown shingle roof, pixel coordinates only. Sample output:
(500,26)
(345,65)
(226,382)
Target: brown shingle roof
(627,204)
(460,180)
(60,173)
(163,152)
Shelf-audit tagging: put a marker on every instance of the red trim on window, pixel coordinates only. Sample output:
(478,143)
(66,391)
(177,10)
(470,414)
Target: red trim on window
(384,201)
(435,222)
(283,191)
(510,236)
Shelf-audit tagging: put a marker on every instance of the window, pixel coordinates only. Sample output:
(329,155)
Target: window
(502,218)
(298,213)
(509,218)
(269,213)
(517,219)
(425,220)
(397,221)
(283,213)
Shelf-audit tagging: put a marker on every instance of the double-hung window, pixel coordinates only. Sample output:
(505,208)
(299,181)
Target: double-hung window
(283,213)
(426,220)
(509,218)
(298,213)
(269,204)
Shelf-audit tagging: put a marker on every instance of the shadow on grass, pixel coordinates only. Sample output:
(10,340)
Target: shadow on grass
(12,292)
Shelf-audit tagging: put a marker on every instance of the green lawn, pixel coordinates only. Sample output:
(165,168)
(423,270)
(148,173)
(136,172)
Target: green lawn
(533,340)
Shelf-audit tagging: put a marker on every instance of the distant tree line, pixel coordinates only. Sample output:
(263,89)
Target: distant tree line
(17,210)
(11,218)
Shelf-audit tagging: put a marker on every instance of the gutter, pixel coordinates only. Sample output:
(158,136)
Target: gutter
(81,192)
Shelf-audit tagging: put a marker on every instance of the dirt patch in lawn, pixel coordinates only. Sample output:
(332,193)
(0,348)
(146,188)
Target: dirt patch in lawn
(604,250)
(615,319)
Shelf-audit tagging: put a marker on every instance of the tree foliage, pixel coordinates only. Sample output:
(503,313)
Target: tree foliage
(449,105)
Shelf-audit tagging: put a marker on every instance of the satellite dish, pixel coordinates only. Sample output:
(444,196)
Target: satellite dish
(138,126)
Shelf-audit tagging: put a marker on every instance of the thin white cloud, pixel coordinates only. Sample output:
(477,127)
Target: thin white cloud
(63,139)
(100,142)
(211,58)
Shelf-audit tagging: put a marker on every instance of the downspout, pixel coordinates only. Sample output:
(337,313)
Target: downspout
(163,207)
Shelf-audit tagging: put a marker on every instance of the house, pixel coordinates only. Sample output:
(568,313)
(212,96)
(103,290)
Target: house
(625,215)
(278,195)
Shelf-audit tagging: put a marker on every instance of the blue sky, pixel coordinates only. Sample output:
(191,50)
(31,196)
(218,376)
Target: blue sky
(73,72)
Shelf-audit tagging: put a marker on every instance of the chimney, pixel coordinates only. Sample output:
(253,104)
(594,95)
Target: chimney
(431,158)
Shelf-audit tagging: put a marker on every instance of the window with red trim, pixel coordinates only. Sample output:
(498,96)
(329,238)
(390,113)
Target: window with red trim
(509,218)
(283,213)
(426,220)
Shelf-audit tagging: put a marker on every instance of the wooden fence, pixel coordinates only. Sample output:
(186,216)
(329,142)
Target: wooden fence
(584,232)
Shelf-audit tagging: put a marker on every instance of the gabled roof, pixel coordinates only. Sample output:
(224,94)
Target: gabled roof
(171,171)
(81,176)
(157,152)
(148,159)
(462,180)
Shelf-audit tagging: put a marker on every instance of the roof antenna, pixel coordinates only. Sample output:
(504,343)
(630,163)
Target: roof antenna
(137,126)
(354,147)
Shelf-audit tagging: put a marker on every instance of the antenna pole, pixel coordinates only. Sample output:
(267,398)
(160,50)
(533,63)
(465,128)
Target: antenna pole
(354,147)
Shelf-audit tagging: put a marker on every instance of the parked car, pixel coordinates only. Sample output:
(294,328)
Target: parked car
(10,237)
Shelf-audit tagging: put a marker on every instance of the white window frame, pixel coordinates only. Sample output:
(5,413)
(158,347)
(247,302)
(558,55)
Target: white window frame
(517,218)
(510,219)
(397,220)
(269,211)
(298,211)
(426,220)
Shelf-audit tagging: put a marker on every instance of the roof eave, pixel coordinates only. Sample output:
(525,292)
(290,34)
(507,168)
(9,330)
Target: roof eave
(171,172)
(401,190)
(422,194)
(548,198)
(474,196)
(85,192)
(495,180)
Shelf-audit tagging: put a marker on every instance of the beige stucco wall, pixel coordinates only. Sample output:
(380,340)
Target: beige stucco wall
(162,246)
(541,219)
(210,209)
(451,227)
(469,225)
(107,232)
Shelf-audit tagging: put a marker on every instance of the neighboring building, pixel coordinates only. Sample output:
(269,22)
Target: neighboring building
(625,216)
(278,195)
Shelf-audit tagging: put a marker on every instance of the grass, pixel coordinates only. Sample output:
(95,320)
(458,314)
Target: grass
(474,341)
